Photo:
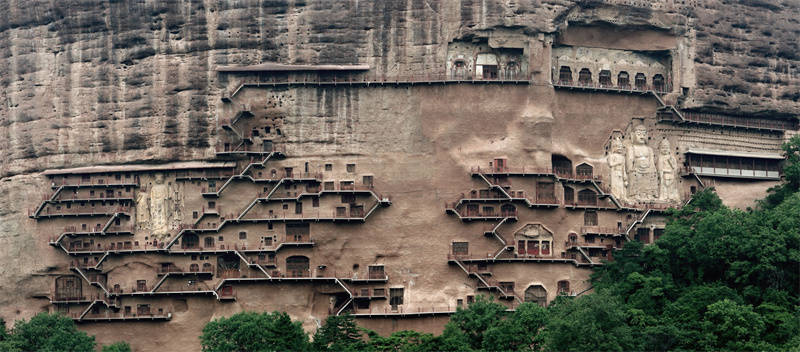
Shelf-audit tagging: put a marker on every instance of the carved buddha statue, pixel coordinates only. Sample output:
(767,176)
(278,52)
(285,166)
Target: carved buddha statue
(667,168)
(641,168)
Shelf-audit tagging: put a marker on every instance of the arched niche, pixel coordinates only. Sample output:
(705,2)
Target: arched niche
(584,170)
(297,266)
(565,75)
(623,80)
(561,165)
(536,294)
(658,83)
(585,76)
(604,78)
(641,81)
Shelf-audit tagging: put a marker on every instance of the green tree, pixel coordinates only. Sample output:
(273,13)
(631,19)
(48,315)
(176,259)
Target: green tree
(405,341)
(339,333)
(47,332)
(595,322)
(117,347)
(250,331)
(522,331)
(733,326)
(474,321)
(453,339)
(791,175)
(3,332)
(711,254)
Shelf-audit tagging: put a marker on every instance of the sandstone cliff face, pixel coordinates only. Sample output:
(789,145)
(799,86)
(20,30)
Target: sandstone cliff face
(88,82)
(91,82)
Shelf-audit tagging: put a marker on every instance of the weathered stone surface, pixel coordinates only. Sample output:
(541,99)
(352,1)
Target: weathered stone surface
(87,82)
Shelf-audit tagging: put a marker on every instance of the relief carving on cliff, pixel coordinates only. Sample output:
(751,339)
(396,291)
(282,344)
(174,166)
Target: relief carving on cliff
(641,167)
(667,170)
(637,174)
(536,238)
(535,231)
(156,208)
(616,165)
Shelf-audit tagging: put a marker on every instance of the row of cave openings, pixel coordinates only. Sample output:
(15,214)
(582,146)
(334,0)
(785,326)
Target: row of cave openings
(604,79)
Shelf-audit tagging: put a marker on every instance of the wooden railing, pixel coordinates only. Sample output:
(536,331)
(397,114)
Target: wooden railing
(401,310)
(365,78)
(466,213)
(515,170)
(96,181)
(79,210)
(91,197)
(600,230)
(738,121)
(661,89)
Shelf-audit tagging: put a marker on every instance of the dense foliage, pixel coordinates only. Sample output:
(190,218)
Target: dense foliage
(46,332)
(719,279)
(52,333)
(117,347)
(249,331)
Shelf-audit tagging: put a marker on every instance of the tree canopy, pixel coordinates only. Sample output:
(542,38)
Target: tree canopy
(46,332)
(117,347)
(250,331)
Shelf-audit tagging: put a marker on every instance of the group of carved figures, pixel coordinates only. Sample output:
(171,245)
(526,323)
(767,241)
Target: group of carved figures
(636,173)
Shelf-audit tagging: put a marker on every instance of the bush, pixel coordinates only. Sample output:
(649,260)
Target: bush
(117,347)
(249,331)
(47,332)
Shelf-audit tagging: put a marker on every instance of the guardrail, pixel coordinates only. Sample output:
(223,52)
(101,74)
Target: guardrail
(663,89)
(361,78)
(560,172)
(738,121)
(96,181)
(79,211)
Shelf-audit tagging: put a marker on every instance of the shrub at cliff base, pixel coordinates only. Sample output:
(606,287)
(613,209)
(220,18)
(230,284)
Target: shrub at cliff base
(46,332)
(117,347)
(249,331)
